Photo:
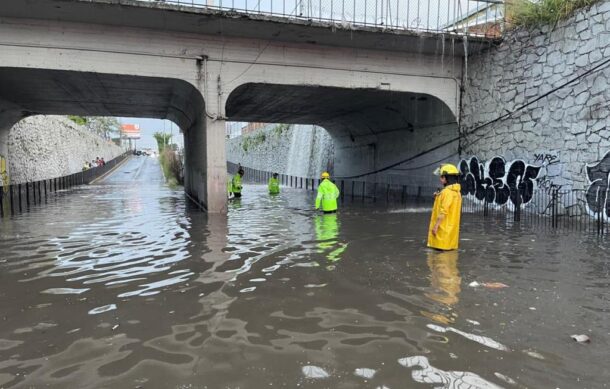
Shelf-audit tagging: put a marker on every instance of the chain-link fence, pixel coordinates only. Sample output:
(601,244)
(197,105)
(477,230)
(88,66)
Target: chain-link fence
(459,17)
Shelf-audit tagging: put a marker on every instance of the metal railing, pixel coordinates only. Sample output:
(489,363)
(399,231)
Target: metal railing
(16,198)
(550,209)
(350,189)
(458,17)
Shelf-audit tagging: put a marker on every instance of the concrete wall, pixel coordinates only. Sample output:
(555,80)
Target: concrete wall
(384,152)
(306,151)
(567,134)
(42,147)
(298,150)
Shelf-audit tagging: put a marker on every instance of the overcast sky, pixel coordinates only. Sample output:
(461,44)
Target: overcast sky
(423,14)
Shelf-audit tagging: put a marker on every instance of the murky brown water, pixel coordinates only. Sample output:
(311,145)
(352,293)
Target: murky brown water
(123,285)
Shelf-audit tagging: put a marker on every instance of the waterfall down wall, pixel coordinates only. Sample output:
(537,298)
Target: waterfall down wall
(298,150)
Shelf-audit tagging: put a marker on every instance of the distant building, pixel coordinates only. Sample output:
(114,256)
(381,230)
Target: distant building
(234,129)
(251,127)
(130,133)
(485,20)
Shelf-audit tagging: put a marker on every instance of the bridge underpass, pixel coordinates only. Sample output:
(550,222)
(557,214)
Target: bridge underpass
(27,91)
(186,64)
(371,128)
(127,285)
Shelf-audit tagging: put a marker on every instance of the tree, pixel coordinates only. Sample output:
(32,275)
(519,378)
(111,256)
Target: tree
(106,127)
(163,140)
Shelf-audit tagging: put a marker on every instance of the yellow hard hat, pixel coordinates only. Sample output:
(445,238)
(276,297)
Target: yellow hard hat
(447,169)
(325,175)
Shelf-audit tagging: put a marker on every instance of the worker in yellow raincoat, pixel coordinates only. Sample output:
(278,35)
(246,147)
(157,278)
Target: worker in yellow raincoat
(274,184)
(328,193)
(444,233)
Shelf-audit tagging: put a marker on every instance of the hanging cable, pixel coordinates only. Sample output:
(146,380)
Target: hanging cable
(481,126)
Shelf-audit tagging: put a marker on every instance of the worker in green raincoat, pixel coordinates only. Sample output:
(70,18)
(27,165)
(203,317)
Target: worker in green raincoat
(444,232)
(274,184)
(328,193)
(235,184)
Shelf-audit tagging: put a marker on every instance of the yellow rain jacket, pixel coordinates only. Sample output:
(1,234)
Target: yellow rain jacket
(328,193)
(274,186)
(449,204)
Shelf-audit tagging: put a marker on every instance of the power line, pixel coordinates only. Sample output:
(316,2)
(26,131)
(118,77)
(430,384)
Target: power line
(481,126)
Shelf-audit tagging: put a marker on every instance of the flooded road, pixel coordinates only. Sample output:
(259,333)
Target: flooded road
(123,284)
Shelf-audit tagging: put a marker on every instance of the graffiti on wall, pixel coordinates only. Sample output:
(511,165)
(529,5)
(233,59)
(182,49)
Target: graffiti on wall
(498,181)
(4,178)
(598,175)
(546,159)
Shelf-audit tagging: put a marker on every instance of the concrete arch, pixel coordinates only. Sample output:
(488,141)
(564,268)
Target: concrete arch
(31,91)
(371,128)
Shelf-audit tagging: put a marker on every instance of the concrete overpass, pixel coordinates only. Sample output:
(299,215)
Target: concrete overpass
(382,95)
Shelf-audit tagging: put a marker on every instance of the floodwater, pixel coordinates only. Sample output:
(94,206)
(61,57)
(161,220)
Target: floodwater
(124,285)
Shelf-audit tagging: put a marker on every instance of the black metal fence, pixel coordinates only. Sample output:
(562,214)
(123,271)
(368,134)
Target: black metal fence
(16,198)
(350,189)
(546,209)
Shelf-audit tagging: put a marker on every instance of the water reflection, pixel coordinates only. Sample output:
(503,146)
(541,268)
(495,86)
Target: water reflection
(446,282)
(327,234)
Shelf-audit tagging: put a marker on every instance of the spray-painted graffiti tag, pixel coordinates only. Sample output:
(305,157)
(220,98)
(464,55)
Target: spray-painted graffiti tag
(499,181)
(597,193)
(546,159)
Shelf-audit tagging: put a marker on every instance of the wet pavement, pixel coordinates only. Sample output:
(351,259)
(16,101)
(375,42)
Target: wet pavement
(123,284)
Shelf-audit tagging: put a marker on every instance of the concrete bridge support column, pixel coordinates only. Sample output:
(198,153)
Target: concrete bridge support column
(205,179)
(8,118)
(4,170)
(216,162)
(195,163)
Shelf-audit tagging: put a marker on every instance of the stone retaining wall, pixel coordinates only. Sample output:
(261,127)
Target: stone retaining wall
(42,147)
(567,133)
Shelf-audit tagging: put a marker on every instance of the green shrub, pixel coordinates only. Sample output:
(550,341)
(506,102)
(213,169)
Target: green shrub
(525,13)
(253,140)
(81,121)
(279,129)
(171,163)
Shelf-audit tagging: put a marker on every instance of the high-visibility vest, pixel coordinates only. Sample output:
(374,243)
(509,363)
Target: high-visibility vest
(236,184)
(274,186)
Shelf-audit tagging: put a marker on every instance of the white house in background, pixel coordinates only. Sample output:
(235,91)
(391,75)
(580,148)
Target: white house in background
(486,19)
